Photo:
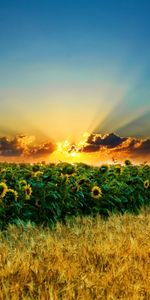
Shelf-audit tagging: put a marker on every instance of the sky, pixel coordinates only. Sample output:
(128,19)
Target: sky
(69,67)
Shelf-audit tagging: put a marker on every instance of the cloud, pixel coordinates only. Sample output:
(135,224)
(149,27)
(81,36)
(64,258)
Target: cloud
(102,146)
(96,142)
(22,146)
(42,150)
(144,148)
(9,147)
(113,144)
(91,148)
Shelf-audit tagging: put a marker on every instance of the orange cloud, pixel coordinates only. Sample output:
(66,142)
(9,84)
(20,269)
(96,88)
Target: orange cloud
(22,146)
(114,145)
(93,148)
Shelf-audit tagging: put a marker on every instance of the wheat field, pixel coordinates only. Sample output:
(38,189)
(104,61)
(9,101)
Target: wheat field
(87,258)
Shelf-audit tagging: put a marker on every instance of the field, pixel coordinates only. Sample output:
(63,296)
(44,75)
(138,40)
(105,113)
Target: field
(45,194)
(74,231)
(88,258)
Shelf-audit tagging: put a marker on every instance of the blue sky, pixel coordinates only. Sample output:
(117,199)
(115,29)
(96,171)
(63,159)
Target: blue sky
(71,66)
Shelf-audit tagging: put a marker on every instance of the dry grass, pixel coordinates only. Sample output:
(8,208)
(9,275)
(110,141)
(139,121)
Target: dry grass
(85,259)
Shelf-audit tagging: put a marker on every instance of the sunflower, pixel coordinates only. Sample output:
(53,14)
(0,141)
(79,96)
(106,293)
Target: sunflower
(65,177)
(83,180)
(96,192)
(22,182)
(128,162)
(118,169)
(146,184)
(103,168)
(38,203)
(3,189)
(37,173)
(28,191)
(14,193)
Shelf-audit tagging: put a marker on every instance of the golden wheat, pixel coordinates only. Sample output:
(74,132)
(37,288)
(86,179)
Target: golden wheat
(88,258)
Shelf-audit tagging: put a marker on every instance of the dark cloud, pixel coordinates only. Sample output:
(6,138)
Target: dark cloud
(22,146)
(9,147)
(112,143)
(109,140)
(42,150)
(135,146)
(144,148)
(91,148)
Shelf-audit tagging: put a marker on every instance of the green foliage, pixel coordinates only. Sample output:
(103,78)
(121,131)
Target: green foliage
(45,194)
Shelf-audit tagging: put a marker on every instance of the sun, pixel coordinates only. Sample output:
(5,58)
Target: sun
(71,152)
(74,154)
(67,151)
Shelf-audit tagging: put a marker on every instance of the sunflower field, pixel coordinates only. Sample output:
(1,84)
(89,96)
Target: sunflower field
(44,194)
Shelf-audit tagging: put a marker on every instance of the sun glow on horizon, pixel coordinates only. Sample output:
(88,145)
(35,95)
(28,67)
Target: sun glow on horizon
(71,152)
